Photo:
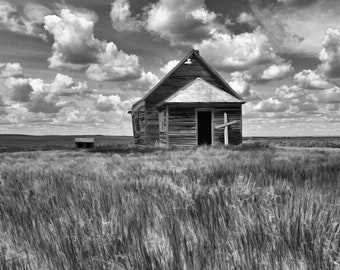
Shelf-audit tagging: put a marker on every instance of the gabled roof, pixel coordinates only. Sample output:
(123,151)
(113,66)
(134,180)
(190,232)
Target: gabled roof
(200,90)
(204,64)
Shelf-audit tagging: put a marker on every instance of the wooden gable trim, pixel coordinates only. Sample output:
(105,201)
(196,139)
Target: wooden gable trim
(205,65)
(188,85)
(165,77)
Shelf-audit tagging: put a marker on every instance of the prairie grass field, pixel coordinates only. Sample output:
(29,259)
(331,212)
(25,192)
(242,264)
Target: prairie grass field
(253,206)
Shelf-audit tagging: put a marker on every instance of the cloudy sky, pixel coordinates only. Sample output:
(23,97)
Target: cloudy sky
(77,66)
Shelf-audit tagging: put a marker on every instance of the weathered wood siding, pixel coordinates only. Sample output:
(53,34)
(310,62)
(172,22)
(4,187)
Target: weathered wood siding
(234,130)
(182,119)
(139,119)
(152,126)
(182,76)
(163,134)
(182,126)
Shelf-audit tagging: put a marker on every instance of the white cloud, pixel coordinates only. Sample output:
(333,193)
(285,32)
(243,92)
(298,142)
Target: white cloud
(74,43)
(290,92)
(75,47)
(36,13)
(333,107)
(181,22)
(146,81)
(114,65)
(203,15)
(330,54)
(246,18)
(107,103)
(311,80)
(277,71)
(328,96)
(271,105)
(139,87)
(241,84)
(289,33)
(121,17)
(10,70)
(169,66)
(237,52)
(27,23)
(307,107)
(40,96)
(19,89)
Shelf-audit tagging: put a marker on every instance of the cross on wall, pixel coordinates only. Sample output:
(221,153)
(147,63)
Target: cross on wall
(225,126)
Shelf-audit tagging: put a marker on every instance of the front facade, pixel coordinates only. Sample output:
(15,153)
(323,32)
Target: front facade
(192,105)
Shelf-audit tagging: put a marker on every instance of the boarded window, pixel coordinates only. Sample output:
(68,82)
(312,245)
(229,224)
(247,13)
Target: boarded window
(162,121)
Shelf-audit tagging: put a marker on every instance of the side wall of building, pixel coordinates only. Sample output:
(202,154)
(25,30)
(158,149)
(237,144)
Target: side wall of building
(139,126)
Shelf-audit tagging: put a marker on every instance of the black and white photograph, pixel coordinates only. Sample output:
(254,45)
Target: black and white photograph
(169,134)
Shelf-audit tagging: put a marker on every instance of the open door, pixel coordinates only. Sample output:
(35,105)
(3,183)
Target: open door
(204,130)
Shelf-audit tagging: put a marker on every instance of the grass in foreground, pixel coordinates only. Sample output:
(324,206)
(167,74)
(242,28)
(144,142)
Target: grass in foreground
(206,208)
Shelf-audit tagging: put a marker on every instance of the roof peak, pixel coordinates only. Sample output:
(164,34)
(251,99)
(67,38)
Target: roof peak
(204,64)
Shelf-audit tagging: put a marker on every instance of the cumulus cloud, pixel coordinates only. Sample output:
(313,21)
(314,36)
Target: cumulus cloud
(237,52)
(27,23)
(333,107)
(10,70)
(36,13)
(121,17)
(46,97)
(114,65)
(271,105)
(246,18)
(240,82)
(40,96)
(290,92)
(140,86)
(181,22)
(169,66)
(307,107)
(330,54)
(75,47)
(107,103)
(328,96)
(311,80)
(74,43)
(146,81)
(277,71)
(19,89)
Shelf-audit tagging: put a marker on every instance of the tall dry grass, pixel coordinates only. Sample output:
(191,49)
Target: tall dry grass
(249,207)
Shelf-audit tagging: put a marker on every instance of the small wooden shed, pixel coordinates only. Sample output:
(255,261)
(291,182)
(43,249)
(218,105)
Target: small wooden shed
(86,143)
(190,106)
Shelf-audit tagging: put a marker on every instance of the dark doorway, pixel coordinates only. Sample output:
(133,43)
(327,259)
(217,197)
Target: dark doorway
(203,128)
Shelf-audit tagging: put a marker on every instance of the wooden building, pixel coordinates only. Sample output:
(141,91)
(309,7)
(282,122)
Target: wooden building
(191,105)
(86,143)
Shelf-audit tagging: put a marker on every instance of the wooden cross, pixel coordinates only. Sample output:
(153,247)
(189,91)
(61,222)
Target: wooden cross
(225,126)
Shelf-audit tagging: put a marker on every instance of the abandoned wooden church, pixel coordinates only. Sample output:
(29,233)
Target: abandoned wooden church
(190,106)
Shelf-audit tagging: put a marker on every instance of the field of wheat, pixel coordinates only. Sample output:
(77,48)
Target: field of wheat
(247,207)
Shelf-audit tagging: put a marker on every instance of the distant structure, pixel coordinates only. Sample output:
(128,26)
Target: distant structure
(190,106)
(86,143)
